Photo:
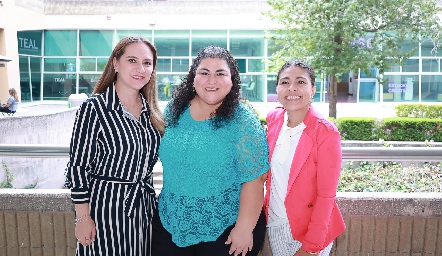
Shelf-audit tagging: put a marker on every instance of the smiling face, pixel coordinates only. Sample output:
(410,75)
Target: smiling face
(134,67)
(212,81)
(295,89)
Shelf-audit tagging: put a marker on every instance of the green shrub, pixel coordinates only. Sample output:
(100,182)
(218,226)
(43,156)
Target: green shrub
(390,177)
(357,128)
(8,177)
(410,129)
(419,110)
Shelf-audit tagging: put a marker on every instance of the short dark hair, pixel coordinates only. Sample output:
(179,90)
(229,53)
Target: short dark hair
(301,64)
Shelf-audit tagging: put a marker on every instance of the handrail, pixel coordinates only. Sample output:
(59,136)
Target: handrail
(423,154)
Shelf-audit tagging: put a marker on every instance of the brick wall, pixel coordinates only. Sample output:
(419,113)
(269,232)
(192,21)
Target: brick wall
(40,222)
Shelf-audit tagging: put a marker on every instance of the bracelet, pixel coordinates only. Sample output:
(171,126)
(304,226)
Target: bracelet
(82,218)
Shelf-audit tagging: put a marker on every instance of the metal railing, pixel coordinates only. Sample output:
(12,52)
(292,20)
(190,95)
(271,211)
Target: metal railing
(422,154)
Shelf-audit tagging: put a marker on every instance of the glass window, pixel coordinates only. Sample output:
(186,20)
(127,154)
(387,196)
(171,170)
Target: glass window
(427,49)
(88,64)
(256,65)
(272,48)
(96,42)
(180,65)
(58,86)
(247,47)
(35,65)
(431,88)
(25,85)
(164,65)
(430,65)
(318,92)
(395,67)
(408,46)
(172,42)
(401,88)
(271,89)
(59,65)
(203,38)
(87,83)
(410,65)
(92,64)
(373,72)
(166,84)
(242,65)
(143,33)
(60,43)
(253,87)
(101,63)
(367,91)
(29,42)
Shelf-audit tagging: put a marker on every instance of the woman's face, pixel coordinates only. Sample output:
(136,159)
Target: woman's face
(134,67)
(295,89)
(212,81)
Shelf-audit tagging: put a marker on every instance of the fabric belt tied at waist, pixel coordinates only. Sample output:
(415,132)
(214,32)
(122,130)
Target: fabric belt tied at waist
(133,197)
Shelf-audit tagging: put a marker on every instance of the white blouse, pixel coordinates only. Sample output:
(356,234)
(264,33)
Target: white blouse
(281,171)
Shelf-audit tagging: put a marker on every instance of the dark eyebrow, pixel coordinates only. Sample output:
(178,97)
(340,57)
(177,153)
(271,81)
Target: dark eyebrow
(219,70)
(135,57)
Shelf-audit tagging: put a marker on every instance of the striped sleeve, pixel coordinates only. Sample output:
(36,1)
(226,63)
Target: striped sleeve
(82,152)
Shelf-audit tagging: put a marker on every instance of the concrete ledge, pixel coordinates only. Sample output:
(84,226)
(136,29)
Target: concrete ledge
(47,200)
(390,204)
(41,222)
(358,203)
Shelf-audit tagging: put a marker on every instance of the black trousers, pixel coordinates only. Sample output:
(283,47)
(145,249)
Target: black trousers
(6,110)
(162,244)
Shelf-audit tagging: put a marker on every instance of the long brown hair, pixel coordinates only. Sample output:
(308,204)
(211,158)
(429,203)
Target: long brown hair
(149,90)
(13,93)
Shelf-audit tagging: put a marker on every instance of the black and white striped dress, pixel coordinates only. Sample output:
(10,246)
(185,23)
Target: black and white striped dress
(112,155)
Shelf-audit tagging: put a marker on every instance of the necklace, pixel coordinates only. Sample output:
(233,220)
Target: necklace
(140,104)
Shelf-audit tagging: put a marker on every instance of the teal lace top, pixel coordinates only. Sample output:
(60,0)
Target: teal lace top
(203,172)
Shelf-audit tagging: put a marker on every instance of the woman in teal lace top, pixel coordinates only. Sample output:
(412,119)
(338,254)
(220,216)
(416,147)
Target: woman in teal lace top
(215,161)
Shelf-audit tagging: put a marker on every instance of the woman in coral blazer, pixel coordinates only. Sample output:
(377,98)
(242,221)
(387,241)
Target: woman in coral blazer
(305,155)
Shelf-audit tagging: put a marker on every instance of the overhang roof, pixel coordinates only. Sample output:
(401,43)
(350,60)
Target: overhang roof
(4,59)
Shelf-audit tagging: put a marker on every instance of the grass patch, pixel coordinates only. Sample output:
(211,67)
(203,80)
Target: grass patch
(390,177)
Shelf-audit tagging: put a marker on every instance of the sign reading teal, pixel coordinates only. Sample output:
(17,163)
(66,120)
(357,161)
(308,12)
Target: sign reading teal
(29,42)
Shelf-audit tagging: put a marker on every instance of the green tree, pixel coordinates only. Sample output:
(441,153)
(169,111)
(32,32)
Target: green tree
(339,36)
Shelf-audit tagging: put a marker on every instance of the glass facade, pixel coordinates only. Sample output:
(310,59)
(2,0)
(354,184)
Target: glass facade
(57,63)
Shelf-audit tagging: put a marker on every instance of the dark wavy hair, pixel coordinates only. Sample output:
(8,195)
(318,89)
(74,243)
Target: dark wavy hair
(298,63)
(184,93)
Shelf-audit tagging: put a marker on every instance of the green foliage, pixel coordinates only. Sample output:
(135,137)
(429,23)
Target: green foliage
(333,35)
(9,177)
(411,129)
(419,110)
(390,177)
(390,129)
(336,37)
(356,128)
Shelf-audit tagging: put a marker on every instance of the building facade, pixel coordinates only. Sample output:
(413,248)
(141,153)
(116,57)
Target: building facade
(60,48)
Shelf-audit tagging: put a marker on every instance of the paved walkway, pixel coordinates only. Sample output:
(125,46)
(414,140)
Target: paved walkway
(378,110)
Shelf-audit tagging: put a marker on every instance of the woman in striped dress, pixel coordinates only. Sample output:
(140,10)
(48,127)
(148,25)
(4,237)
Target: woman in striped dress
(113,149)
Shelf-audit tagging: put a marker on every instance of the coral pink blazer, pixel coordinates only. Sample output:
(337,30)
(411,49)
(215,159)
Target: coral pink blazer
(314,216)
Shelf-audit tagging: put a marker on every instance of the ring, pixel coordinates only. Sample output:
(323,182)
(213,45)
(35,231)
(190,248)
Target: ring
(87,239)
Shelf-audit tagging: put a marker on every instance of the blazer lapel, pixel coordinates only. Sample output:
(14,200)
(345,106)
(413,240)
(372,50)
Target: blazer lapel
(302,152)
(274,128)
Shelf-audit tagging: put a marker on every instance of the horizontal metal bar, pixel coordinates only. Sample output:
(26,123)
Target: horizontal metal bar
(34,150)
(422,154)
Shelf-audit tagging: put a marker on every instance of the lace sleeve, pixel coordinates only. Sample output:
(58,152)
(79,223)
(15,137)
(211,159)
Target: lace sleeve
(252,145)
